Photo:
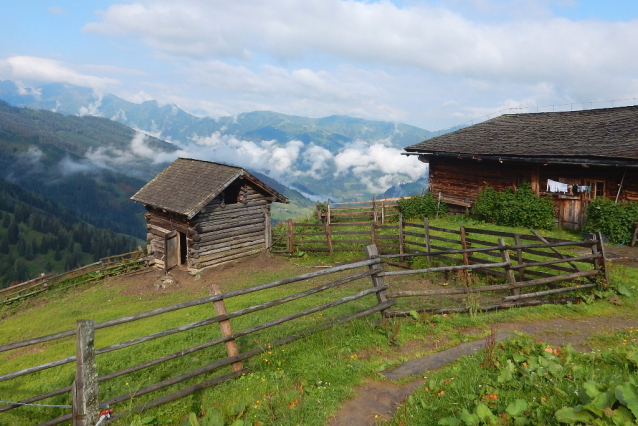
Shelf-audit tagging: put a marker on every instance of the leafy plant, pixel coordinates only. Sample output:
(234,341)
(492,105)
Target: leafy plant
(615,220)
(420,206)
(515,208)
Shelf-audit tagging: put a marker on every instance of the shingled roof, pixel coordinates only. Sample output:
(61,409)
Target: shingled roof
(610,133)
(187,185)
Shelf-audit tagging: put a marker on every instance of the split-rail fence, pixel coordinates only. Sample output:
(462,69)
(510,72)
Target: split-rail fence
(509,261)
(106,267)
(376,210)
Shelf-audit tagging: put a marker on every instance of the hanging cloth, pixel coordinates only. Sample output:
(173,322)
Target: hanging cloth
(553,186)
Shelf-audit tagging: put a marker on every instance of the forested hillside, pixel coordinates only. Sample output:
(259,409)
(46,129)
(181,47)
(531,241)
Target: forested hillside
(45,152)
(39,235)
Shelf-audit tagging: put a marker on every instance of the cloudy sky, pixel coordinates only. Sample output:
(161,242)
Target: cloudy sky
(432,64)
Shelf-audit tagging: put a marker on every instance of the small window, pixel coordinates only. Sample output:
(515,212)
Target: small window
(597,189)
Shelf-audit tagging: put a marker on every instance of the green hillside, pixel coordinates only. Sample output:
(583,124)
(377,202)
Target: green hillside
(38,235)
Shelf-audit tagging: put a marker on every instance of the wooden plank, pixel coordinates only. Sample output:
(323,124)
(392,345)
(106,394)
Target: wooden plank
(401,242)
(85,388)
(540,237)
(509,274)
(426,231)
(602,260)
(225,327)
(291,242)
(548,292)
(412,225)
(550,262)
(445,268)
(466,260)
(450,231)
(377,279)
(329,238)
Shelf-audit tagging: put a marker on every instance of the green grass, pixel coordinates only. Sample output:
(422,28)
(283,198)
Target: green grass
(301,383)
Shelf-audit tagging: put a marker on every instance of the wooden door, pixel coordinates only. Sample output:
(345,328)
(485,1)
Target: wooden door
(171,250)
(570,213)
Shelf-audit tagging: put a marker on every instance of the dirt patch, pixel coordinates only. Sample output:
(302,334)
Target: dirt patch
(147,281)
(375,402)
(33,349)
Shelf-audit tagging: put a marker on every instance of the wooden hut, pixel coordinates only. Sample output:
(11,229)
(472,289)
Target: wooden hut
(202,214)
(597,149)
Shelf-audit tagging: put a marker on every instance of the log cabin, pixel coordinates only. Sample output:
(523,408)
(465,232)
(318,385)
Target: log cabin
(574,156)
(202,214)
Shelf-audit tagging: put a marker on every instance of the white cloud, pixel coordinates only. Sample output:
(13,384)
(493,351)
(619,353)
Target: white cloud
(31,68)
(431,38)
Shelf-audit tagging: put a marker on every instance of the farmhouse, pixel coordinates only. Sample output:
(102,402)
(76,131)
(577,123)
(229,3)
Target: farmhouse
(202,214)
(574,156)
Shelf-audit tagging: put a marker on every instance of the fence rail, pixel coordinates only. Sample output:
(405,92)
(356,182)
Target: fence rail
(108,266)
(376,210)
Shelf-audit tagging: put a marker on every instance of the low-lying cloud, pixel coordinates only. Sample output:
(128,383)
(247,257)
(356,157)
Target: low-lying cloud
(373,163)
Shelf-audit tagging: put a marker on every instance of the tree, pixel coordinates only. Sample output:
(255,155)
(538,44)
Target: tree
(13,233)
(4,246)
(6,220)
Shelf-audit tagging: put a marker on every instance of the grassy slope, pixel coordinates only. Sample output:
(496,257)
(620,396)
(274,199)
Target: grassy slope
(301,384)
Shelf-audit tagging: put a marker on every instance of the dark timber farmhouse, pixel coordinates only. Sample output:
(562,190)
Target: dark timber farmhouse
(202,214)
(575,156)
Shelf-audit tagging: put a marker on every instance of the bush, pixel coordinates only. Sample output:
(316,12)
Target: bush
(615,220)
(515,208)
(420,206)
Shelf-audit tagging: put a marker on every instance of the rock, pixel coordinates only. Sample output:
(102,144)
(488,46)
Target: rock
(166,281)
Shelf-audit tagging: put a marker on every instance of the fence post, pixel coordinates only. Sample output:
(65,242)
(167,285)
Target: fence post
(519,257)
(426,231)
(85,387)
(227,330)
(291,247)
(601,248)
(383,212)
(401,243)
(466,257)
(509,274)
(328,211)
(374,208)
(377,281)
(373,236)
(329,237)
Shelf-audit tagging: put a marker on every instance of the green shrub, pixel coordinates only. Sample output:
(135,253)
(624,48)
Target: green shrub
(515,208)
(420,206)
(615,220)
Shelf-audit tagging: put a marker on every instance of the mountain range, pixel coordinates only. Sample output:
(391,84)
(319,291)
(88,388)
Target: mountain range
(335,157)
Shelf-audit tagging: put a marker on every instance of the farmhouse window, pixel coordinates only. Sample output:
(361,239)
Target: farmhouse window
(597,189)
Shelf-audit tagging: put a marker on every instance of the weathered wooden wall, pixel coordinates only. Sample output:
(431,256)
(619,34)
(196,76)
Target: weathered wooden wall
(234,224)
(460,180)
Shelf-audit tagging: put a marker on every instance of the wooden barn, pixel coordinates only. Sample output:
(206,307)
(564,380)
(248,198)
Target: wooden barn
(202,214)
(574,156)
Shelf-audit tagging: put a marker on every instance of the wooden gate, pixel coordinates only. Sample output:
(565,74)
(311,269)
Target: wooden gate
(171,250)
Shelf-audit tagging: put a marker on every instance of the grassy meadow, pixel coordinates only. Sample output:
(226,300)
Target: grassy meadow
(305,382)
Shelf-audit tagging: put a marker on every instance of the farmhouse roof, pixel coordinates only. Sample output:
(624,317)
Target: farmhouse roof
(610,133)
(187,185)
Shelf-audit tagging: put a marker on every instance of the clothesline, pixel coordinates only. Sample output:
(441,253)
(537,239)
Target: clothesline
(566,188)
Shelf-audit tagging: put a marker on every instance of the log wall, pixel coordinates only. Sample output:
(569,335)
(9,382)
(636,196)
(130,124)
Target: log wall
(460,180)
(234,224)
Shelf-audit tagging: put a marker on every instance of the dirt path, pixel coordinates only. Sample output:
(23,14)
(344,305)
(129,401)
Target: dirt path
(377,402)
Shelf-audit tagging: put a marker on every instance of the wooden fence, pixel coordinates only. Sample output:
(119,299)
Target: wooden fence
(106,267)
(376,210)
(511,261)
(87,383)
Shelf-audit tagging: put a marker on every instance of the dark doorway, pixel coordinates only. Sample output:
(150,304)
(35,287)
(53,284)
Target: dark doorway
(182,248)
